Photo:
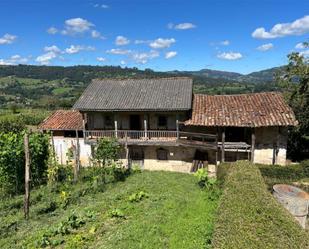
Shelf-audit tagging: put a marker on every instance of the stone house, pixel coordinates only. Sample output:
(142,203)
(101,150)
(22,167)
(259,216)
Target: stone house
(162,125)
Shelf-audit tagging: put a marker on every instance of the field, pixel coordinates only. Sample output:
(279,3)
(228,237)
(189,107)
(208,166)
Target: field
(147,210)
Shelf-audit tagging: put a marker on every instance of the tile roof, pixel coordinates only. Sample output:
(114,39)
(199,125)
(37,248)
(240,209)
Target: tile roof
(243,110)
(63,120)
(158,94)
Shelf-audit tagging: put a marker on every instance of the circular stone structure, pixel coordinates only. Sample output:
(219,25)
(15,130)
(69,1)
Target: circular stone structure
(294,199)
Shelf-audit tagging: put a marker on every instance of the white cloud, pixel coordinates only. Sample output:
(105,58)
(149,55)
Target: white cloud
(76,25)
(298,27)
(143,57)
(96,34)
(103,6)
(300,45)
(162,43)
(73,49)
(121,40)
(170,54)
(229,56)
(265,47)
(225,43)
(181,26)
(101,59)
(52,30)
(118,51)
(45,59)
(7,39)
(13,60)
(122,62)
(52,48)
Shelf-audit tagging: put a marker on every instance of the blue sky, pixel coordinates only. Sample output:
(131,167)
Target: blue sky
(240,36)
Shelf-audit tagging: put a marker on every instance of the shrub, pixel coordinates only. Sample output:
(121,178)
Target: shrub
(203,179)
(12,161)
(249,217)
(117,213)
(107,151)
(137,197)
(276,174)
(305,167)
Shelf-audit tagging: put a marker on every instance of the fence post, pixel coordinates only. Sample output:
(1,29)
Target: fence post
(27,176)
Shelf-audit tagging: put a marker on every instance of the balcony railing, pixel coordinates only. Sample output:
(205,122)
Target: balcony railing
(149,136)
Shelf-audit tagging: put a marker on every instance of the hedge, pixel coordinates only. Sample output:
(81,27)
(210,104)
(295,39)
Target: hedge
(249,217)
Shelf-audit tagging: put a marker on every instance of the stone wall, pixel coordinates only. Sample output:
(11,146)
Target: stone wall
(271,145)
(178,159)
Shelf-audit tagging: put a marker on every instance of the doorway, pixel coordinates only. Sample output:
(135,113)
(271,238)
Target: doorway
(136,155)
(135,122)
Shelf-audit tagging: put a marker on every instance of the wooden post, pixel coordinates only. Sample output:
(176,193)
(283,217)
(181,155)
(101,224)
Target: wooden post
(222,148)
(84,125)
(116,128)
(217,147)
(27,176)
(145,126)
(252,144)
(53,146)
(77,151)
(177,128)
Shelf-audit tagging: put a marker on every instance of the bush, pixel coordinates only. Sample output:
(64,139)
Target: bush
(203,180)
(106,152)
(12,161)
(291,174)
(249,217)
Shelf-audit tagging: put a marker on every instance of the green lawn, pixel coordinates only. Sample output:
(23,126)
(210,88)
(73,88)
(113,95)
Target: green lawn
(175,213)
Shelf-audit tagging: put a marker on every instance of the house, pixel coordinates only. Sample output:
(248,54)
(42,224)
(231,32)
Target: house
(162,125)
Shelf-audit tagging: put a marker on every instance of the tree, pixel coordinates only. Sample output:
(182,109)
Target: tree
(295,81)
(107,150)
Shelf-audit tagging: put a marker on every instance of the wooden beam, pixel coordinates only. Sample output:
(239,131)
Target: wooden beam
(223,148)
(217,147)
(252,144)
(177,127)
(145,125)
(77,151)
(116,128)
(84,125)
(27,176)
(53,146)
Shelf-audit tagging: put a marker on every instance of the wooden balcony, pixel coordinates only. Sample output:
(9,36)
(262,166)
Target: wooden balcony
(155,137)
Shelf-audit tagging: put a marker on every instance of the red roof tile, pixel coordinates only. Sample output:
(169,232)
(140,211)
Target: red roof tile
(243,110)
(63,120)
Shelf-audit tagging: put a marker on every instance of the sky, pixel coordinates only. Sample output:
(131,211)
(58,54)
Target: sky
(231,35)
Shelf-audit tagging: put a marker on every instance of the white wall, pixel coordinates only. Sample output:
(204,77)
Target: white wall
(62,144)
(271,145)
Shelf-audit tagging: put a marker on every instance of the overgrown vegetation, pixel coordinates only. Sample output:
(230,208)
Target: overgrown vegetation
(250,217)
(295,174)
(12,162)
(147,210)
(295,82)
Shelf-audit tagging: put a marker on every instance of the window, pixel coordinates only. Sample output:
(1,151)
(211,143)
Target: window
(109,121)
(162,154)
(162,121)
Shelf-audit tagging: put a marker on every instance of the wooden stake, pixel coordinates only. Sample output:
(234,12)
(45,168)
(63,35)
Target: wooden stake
(252,144)
(53,146)
(27,176)
(77,151)
(222,151)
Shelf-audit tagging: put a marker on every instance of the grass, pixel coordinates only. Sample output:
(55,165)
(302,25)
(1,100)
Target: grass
(147,210)
(250,217)
(296,174)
